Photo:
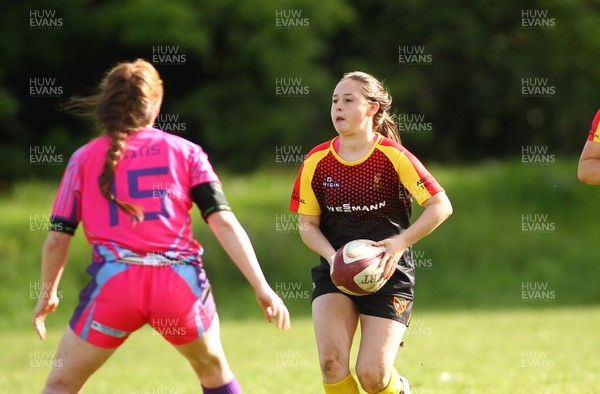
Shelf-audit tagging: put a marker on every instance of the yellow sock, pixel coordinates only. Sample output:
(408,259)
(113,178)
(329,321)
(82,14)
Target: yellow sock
(395,386)
(345,386)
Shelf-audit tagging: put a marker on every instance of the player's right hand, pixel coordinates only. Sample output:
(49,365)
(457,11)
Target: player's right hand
(273,306)
(44,306)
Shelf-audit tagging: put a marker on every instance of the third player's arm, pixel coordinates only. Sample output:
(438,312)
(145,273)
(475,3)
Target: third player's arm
(311,235)
(237,245)
(588,170)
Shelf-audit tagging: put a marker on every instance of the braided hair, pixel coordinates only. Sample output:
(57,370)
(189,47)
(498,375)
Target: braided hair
(128,99)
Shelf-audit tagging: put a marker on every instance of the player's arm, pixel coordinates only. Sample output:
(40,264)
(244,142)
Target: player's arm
(588,170)
(54,257)
(313,237)
(437,209)
(235,241)
(237,245)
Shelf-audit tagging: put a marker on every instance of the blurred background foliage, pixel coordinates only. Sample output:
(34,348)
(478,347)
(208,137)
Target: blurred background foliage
(235,51)
(223,90)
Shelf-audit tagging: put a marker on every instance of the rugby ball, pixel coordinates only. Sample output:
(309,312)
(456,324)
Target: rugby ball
(355,269)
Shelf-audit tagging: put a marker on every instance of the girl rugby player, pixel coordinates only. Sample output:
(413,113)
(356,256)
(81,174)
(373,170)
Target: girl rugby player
(133,190)
(588,170)
(359,185)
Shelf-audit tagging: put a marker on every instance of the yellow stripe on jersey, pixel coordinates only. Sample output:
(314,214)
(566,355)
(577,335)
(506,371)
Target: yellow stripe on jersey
(308,204)
(412,174)
(597,134)
(594,134)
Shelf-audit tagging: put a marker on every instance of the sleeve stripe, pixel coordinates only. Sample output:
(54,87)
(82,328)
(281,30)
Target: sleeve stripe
(303,199)
(594,134)
(411,172)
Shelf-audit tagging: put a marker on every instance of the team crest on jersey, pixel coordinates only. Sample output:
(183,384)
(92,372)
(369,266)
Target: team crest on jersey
(376,180)
(399,305)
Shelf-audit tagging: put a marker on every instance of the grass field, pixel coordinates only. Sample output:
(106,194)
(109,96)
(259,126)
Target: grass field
(506,297)
(523,351)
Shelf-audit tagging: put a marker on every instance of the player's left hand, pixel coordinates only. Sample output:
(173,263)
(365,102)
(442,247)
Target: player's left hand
(394,248)
(44,306)
(273,306)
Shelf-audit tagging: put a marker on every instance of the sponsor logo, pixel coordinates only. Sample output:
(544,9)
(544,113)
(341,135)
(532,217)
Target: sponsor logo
(329,182)
(348,208)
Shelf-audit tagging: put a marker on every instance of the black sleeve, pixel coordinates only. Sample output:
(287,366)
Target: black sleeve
(210,198)
(61,225)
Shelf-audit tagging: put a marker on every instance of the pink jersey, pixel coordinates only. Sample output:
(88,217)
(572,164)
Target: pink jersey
(156,171)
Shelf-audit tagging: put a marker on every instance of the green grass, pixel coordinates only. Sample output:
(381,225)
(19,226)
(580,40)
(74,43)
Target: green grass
(518,351)
(473,331)
(479,259)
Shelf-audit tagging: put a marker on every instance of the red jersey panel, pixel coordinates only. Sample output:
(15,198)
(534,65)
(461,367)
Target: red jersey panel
(594,134)
(370,198)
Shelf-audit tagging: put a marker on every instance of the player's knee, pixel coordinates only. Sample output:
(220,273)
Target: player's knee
(208,365)
(54,386)
(372,378)
(332,365)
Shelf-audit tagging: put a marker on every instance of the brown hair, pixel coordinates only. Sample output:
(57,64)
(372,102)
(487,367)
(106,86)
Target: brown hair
(374,91)
(127,99)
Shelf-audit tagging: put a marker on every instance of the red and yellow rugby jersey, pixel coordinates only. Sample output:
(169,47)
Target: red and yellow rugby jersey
(370,198)
(594,134)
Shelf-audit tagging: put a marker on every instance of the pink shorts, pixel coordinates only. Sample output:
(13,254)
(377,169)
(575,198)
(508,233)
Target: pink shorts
(175,300)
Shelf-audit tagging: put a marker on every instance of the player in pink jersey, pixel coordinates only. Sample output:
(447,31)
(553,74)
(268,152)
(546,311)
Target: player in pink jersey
(133,190)
(589,162)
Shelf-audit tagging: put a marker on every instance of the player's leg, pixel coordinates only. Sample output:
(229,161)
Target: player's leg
(105,316)
(207,358)
(189,321)
(335,319)
(380,340)
(75,361)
